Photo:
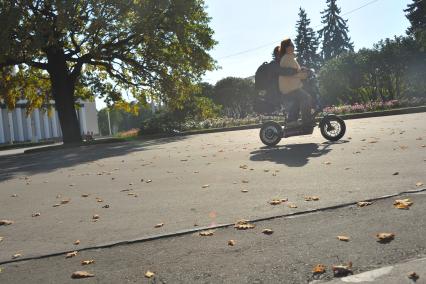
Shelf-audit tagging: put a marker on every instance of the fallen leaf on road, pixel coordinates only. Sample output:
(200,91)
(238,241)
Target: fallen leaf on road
(292,205)
(5,222)
(403,203)
(1,239)
(245,181)
(159,225)
(205,186)
(327,163)
(275,202)
(148,181)
(364,203)
(420,138)
(85,195)
(231,243)
(244,167)
(17,255)
(266,171)
(385,237)
(37,214)
(311,198)
(76,242)
(243,225)
(105,206)
(71,254)
(207,233)
(395,173)
(419,184)
(81,274)
(403,147)
(347,169)
(342,270)
(87,262)
(423,146)
(267,231)
(343,238)
(65,201)
(99,200)
(95,217)
(14,195)
(319,269)
(149,274)
(56,205)
(244,190)
(413,276)
(184,160)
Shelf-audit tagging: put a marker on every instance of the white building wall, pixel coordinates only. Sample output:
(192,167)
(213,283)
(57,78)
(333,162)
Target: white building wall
(16,126)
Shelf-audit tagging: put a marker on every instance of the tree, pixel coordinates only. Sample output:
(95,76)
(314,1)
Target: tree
(334,34)
(416,14)
(145,48)
(306,42)
(236,95)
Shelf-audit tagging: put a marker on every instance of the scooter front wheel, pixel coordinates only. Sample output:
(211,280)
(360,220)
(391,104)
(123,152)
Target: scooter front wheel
(332,127)
(271,133)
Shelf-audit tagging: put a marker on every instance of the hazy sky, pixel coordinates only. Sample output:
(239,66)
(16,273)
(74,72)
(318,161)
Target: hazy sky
(241,25)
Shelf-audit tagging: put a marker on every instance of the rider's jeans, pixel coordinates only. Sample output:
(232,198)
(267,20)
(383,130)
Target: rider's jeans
(304,102)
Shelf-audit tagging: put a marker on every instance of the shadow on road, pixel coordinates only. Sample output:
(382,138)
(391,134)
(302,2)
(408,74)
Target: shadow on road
(293,155)
(51,160)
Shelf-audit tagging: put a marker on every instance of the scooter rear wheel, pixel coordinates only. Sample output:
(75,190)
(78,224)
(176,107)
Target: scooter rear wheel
(270,133)
(332,127)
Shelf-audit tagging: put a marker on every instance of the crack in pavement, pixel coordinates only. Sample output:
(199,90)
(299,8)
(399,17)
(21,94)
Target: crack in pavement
(191,231)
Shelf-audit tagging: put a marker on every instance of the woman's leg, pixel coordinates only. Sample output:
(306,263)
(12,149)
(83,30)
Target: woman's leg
(305,100)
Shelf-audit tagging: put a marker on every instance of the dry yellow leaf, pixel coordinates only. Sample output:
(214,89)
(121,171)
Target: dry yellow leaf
(343,238)
(327,163)
(159,225)
(205,186)
(419,184)
(148,181)
(37,214)
(231,243)
(95,217)
(292,205)
(244,190)
(207,233)
(65,201)
(17,255)
(56,205)
(364,203)
(385,237)
(319,269)
(403,203)
(275,202)
(5,222)
(245,181)
(85,195)
(267,231)
(81,274)
(149,274)
(71,254)
(99,199)
(1,239)
(87,262)
(243,225)
(244,167)
(76,242)
(311,198)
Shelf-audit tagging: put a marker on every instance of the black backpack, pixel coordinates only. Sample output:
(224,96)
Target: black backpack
(263,77)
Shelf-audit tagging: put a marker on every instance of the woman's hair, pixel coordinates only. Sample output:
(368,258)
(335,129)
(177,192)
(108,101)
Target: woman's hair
(276,54)
(284,44)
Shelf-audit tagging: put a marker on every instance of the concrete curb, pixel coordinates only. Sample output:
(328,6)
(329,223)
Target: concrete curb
(219,226)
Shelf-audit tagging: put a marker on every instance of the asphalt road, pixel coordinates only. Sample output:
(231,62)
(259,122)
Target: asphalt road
(197,180)
(288,255)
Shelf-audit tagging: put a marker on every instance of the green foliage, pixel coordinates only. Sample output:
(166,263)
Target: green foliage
(393,69)
(306,42)
(416,14)
(236,95)
(152,48)
(334,34)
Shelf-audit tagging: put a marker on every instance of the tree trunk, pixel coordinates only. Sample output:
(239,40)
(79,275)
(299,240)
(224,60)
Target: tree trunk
(63,86)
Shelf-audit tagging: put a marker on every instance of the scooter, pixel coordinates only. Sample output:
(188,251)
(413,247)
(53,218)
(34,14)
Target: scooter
(332,127)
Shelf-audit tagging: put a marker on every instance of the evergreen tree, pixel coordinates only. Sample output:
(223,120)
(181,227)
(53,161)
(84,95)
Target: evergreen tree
(334,34)
(416,14)
(306,42)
